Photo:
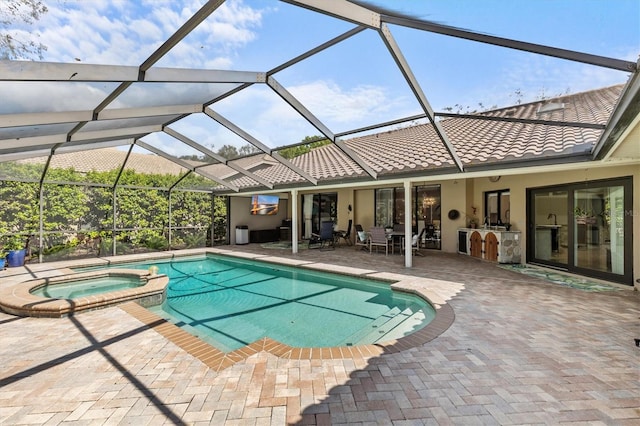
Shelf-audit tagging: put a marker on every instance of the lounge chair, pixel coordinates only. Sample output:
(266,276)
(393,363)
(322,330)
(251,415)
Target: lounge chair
(314,241)
(378,238)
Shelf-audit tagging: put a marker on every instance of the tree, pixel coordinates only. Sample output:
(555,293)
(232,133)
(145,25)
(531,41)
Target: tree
(142,206)
(228,151)
(248,149)
(16,43)
(308,143)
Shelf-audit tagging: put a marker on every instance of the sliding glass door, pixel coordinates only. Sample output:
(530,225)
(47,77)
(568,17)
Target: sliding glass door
(318,208)
(599,228)
(425,203)
(550,226)
(583,228)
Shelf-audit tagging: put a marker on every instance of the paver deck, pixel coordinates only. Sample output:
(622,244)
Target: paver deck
(520,351)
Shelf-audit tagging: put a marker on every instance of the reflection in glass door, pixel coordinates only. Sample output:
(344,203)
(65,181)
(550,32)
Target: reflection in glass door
(550,226)
(318,208)
(427,210)
(599,228)
(583,228)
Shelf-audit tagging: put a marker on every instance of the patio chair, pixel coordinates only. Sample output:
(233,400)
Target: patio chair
(415,244)
(326,238)
(327,235)
(378,238)
(362,239)
(345,235)
(429,235)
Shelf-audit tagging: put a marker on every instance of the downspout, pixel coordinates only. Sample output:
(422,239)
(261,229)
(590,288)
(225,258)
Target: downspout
(294,221)
(408,229)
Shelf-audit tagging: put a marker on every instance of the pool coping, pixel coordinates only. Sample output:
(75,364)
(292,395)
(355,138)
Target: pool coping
(436,292)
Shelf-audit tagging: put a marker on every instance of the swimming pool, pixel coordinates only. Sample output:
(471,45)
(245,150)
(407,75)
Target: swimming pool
(231,303)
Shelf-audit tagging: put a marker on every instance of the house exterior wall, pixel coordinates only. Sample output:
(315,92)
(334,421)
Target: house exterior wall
(364,208)
(466,194)
(518,185)
(240,209)
(345,198)
(453,195)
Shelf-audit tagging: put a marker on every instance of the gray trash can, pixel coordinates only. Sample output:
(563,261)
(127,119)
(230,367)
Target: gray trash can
(242,234)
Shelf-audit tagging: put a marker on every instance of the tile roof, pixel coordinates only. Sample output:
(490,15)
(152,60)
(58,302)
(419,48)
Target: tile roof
(105,159)
(409,150)
(417,148)
(485,141)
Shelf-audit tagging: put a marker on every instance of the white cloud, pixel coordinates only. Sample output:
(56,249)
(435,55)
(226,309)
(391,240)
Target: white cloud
(19,97)
(331,102)
(538,77)
(264,115)
(126,33)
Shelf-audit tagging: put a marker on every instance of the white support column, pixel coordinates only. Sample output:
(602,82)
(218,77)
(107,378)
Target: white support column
(408,228)
(294,221)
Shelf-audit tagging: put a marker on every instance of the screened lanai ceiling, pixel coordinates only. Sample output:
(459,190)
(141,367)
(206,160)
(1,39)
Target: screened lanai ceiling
(271,75)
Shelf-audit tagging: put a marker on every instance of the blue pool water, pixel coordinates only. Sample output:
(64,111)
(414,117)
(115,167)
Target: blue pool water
(231,303)
(88,287)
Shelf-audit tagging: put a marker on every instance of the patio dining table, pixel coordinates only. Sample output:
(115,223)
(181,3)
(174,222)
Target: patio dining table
(396,238)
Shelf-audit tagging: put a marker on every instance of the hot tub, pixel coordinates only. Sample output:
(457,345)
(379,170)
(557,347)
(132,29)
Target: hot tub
(70,293)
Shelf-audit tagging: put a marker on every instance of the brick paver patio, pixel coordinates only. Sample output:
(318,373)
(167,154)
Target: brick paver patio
(520,351)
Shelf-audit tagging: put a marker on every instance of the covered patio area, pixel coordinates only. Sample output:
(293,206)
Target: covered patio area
(521,350)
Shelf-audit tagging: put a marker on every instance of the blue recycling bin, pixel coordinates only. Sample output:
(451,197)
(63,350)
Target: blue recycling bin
(16,257)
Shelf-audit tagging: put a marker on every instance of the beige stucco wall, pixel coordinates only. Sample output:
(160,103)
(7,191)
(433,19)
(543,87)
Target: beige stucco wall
(466,194)
(240,208)
(345,198)
(453,195)
(458,194)
(518,185)
(364,208)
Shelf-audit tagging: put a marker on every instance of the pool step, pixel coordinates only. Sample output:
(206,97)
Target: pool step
(414,319)
(383,325)
(377,323)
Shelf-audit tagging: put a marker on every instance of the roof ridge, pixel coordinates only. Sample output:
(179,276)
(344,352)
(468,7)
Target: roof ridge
(551,99)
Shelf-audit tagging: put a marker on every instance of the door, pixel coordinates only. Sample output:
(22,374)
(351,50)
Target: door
(318,208)
(476,244)
(491,247)
(549,228)
(583,228)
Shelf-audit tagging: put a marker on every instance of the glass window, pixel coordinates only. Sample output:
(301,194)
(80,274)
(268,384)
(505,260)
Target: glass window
(550,223)
(318,208)
(427,215)
(426,211)
(497,207)
(384,207)
(599,228)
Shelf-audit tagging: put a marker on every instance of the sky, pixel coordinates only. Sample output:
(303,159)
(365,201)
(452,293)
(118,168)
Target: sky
(351,85)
